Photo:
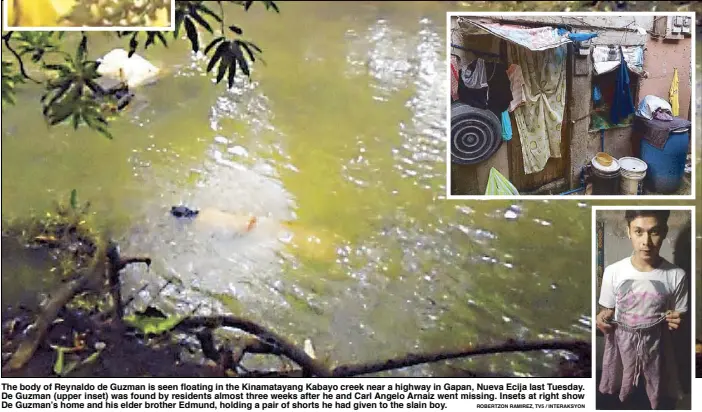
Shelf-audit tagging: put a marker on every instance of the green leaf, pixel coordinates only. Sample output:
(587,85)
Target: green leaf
(76,120)
(191,31)
(258,49)
(59,113)
(92,358)
(232,74)
(202,22)
(223,65)
(212,44)
(7,96)
(206,10)
(103,131)
(150,39)
(221,50)
(70,366)
(58,89)
(236,49)
(74,199)
(133,43)
(271,5)
(90,70)
(82,49)
(179,18)
(247,49)
(58,365)
(153,325)
(57,67)
(162,38)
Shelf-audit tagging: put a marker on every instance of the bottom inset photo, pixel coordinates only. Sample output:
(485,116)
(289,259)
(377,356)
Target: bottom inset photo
(643,336)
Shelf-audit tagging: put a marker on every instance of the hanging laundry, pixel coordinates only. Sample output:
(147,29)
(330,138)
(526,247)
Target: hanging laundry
(473,85)
(506,126)
(454,77)
(499,89)
(596,95)
(516,81)
(673,94)
(622,104)
(474,75)
(577,37)
(539,119)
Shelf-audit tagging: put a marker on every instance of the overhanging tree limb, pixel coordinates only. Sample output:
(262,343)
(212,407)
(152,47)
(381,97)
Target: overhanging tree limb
(20,63)
(279,344)
(576,346)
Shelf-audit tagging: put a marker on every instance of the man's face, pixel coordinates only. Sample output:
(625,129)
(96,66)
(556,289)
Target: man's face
(647,236)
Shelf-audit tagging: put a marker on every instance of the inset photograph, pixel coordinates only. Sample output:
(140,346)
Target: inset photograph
(573,105)
(643,267)
(103,15)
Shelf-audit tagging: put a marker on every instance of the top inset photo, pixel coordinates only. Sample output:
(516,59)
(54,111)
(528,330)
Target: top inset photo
(86,15)
(571,105)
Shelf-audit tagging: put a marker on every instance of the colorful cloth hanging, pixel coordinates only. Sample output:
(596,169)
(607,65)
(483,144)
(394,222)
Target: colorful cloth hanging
(673,94)
(454,78)
(623,104)
(516,81)
(539,119)
(506,127)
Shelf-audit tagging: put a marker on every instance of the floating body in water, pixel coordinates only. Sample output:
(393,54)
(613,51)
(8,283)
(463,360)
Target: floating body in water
(237,223)
(135,71)
(310,244)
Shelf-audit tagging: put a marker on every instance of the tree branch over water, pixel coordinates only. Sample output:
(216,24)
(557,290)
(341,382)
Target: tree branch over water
(157,337)
(266,341)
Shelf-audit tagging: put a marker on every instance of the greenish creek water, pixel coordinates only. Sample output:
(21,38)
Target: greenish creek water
(341,133)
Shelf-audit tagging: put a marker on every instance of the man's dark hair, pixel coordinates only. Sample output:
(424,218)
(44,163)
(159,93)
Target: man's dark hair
(660,215)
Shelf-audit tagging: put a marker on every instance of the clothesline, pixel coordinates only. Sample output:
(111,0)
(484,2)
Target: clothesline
(484,53)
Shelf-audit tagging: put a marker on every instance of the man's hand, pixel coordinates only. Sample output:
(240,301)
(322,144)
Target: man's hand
(673,319)
(602,320)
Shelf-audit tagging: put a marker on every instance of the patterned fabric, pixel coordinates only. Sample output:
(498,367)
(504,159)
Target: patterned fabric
(539,119)
(641,346)
(538,38)
(633,353)
(454,78)
(516,81)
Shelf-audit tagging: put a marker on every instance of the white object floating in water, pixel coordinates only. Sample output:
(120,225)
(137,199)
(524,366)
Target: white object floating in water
(135,71)
(238,150)
(511,214)
(221,139)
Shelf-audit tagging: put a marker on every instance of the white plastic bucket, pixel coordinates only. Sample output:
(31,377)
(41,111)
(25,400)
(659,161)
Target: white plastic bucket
(633,171)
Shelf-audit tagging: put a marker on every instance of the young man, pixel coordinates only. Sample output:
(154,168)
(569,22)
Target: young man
(644,299)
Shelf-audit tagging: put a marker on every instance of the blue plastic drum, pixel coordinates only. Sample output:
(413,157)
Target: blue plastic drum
(666,167)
